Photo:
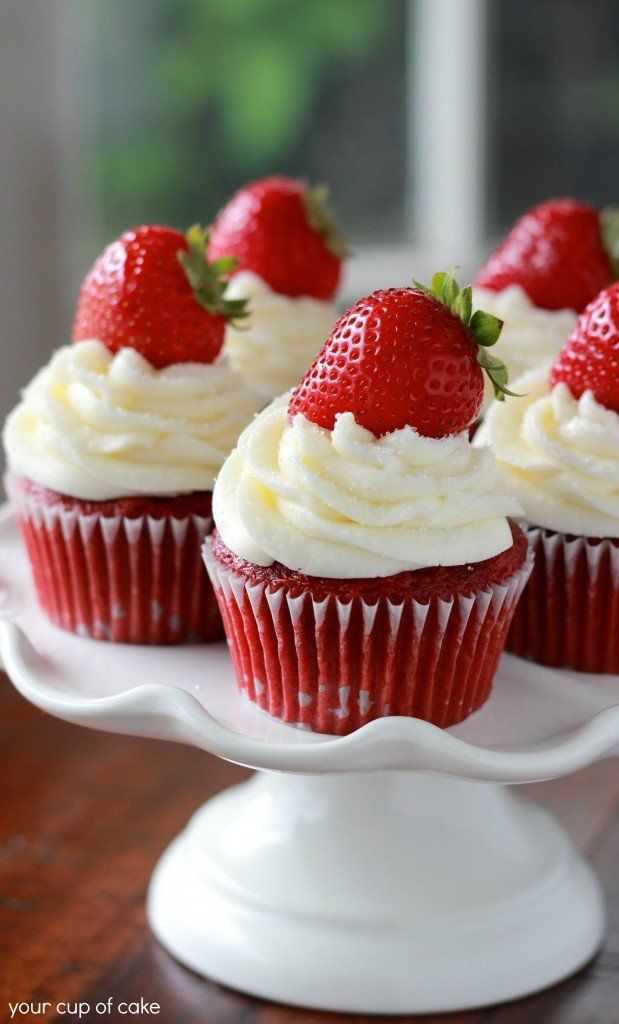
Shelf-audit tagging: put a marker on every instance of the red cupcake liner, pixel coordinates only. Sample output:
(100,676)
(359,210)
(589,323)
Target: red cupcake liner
(332,666)
(569,612)
(130,580)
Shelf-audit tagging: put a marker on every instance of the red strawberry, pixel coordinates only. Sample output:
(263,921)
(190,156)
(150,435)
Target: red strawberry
(560,253)
(589,360)
(153,290)
(281,229)
(405,357)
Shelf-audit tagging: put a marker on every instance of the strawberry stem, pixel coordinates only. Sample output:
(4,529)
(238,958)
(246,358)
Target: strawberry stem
(208,280)
(483,327)
(609,222)
(320,219)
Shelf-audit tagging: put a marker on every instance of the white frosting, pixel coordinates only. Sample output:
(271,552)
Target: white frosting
(530,337)
(95,425)
(346,504)
(559,455)
(275,345)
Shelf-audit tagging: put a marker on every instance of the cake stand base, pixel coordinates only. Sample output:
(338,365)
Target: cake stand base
(376,893)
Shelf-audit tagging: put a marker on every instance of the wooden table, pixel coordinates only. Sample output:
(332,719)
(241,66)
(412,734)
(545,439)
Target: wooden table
(83,819)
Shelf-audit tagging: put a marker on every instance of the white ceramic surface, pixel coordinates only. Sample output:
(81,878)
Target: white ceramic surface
(361,885)
(378,893)
(539,723)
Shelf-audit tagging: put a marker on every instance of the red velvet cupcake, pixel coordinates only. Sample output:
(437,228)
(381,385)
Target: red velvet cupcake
(115,446)
(333,654)
(363,561)
(569,611)
(128,570)
(557,448)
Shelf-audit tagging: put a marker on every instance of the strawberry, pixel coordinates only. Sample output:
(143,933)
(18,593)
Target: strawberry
(589,360)
(153,290)
(405,357)
(281,229)
(560,253)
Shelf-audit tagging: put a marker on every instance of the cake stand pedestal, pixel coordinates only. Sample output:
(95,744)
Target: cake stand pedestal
(381,893)
(367,873)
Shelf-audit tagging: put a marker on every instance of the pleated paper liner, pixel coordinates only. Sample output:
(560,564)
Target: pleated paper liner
(569,612)
(130,580)
(331,666)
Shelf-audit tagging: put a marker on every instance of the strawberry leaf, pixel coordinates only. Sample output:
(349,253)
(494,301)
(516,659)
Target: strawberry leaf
(224,265)
(449,290)
(463,305)
(497,372)
(208,280)
(437,285)
(424,288)
(484,328)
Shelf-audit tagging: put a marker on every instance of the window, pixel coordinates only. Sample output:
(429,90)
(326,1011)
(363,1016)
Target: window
(188,100)
(553,104)
(436,122)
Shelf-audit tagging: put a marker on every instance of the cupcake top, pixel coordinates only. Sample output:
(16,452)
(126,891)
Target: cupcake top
(558,447)
(346,504)
(366,469)
(149,407)
(289,260)
(96,425)
(555,259)
(559,455)
(281,336)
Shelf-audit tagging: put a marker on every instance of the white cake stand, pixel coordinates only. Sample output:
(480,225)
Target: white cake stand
(369,873)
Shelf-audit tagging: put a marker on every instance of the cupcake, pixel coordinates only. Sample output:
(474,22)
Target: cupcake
(363,559)
(557,449)
(554,261)
(113,450)
(289,260)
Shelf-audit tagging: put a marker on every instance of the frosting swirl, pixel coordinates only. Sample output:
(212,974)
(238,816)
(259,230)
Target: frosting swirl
(530,337)
(274,346)
(95,426)
(346,504)
(559,455)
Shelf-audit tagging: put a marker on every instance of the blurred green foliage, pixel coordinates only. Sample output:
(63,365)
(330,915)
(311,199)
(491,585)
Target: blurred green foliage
(194,97)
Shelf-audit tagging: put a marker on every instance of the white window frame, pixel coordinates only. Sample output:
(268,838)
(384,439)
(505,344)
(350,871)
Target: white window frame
(445,205)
